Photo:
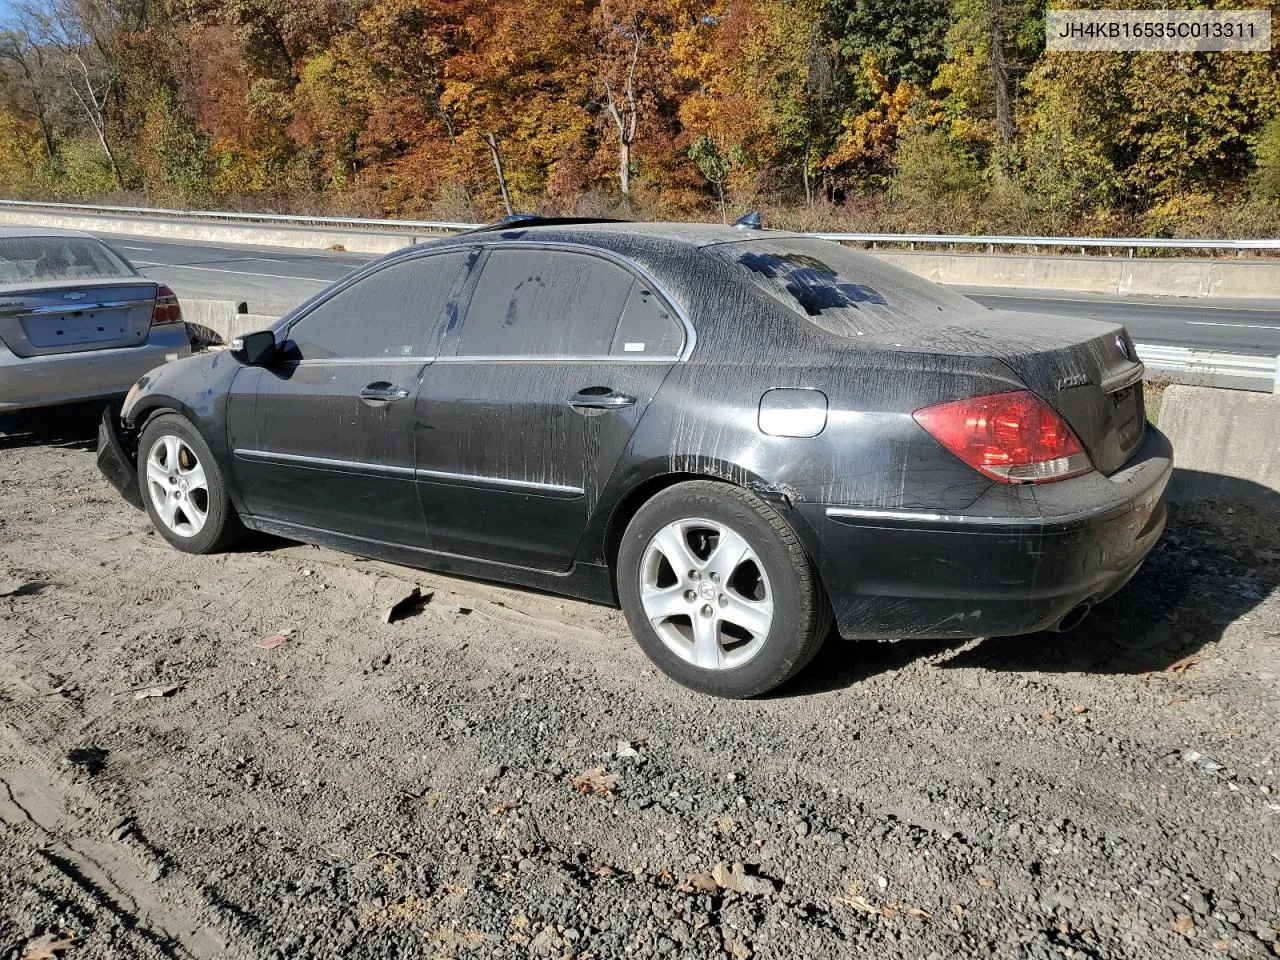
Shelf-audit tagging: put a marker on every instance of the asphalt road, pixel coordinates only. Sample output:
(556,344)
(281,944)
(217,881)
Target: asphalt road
(273,279)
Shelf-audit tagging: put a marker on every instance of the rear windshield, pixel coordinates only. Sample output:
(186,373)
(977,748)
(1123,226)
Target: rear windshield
(844,291)
(24,259)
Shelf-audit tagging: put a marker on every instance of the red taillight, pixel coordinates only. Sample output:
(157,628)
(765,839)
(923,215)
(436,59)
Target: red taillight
(1012,437)
(166,309)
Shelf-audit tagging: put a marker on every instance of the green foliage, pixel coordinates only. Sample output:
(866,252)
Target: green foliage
(1266,176)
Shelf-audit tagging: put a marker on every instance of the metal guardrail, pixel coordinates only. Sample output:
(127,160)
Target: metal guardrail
(1211,368)
(909,239)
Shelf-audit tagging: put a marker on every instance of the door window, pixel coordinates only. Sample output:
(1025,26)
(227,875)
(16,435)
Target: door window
(545,303)
(396,312)
(647,328)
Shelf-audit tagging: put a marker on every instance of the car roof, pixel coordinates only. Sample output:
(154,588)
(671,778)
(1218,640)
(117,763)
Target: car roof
(22,230)
(685,234)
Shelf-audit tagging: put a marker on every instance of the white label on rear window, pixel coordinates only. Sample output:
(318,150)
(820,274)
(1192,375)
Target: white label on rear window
(633,347)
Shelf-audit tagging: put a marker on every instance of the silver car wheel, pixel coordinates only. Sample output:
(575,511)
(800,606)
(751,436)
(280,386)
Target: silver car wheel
(177,486)
(706,594)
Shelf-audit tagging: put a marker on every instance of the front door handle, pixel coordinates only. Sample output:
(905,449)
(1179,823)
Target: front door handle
(381,393)
(599,399)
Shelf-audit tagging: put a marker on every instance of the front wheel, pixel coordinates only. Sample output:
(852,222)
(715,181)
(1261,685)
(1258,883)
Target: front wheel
(182,487)
(718,590)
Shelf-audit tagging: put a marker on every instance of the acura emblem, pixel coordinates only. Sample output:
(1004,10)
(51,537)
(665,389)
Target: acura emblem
(1124,347)
(75,295)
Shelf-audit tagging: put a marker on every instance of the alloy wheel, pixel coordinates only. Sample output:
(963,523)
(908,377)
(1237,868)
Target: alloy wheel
(177,485)
(706,593)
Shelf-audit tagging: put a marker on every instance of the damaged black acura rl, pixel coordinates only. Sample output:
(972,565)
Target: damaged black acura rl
(738,436)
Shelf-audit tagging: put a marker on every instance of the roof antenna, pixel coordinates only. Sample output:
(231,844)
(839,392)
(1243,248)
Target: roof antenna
(750,221)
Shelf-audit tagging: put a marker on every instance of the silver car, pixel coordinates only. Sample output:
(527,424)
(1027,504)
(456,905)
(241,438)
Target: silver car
(77,321)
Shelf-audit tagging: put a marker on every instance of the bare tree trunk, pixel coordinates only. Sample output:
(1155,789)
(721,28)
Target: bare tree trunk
(625,111)
(724,217)
(999,76)
(502,177)
(44,131)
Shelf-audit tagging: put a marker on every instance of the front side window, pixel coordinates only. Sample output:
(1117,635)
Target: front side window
(54,258)
(396,312)
(545,303)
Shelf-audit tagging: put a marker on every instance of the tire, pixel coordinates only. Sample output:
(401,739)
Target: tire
(188,505)
(752,623)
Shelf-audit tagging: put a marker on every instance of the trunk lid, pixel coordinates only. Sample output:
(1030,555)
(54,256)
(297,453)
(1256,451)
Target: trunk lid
(76,316)
(1087,370)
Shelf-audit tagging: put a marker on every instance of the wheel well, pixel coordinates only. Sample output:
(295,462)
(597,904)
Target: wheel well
(630,505)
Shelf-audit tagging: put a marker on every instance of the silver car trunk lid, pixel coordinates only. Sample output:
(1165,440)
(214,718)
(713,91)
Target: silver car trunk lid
(74,316)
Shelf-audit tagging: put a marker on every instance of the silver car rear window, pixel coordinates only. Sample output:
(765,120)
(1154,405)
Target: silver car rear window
(27,259)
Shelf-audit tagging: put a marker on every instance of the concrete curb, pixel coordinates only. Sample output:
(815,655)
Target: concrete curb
(1226,444)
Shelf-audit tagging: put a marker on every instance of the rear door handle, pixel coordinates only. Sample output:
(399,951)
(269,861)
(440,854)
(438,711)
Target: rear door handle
(599,398)
(381,393)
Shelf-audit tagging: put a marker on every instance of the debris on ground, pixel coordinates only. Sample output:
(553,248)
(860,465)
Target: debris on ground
(1205,763)
(276,639)
(167,690)
(595,781)
(406,606)
(90,759)
(48,947)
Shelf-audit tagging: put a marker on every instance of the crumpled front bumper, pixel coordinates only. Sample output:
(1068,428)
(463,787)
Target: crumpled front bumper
(116,460)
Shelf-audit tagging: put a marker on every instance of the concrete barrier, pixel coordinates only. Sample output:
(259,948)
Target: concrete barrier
(307,238)
(1174,276)
(218,321)
(1226,444)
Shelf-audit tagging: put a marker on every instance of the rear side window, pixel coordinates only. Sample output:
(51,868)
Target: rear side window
(647,327)
(38,259)
(545,303)
(843,291)
(396,312)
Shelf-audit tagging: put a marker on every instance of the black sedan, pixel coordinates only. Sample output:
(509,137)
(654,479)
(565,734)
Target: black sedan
(736,435)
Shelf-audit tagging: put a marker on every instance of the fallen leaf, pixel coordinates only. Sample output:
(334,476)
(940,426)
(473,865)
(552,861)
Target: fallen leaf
(595,781)
(1222,945)
(735,879)
(987,882)
(505,807)
(958,910)
(273,641)
(604,872)
(737,949)
(919,912)
(1184,925)
(855,901)
(48,947)
(1183,665)
(699,883)
(158,691)
(1079,709)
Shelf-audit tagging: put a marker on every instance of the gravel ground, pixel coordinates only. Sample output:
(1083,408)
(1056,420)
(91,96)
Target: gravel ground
(503,774)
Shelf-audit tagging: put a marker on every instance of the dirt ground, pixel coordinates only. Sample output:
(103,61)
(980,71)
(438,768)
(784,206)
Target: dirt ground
(503,774)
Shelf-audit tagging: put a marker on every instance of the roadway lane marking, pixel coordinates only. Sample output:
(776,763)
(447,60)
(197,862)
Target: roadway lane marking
(240,273)
(1177,303)
(1242,326)
(125,246)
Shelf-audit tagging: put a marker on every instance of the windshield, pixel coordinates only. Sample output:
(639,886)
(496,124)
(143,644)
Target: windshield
(844,291)
(27,259)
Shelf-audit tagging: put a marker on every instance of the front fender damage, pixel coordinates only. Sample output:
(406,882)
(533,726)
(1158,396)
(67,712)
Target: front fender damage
(118,457)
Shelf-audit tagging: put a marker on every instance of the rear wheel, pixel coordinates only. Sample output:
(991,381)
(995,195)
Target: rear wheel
(182,487)
(718,591)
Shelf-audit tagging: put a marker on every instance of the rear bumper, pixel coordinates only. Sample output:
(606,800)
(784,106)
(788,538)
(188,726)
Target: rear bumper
(27,382)
(1017,561)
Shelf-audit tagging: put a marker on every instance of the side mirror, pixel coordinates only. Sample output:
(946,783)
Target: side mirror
(255,349)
